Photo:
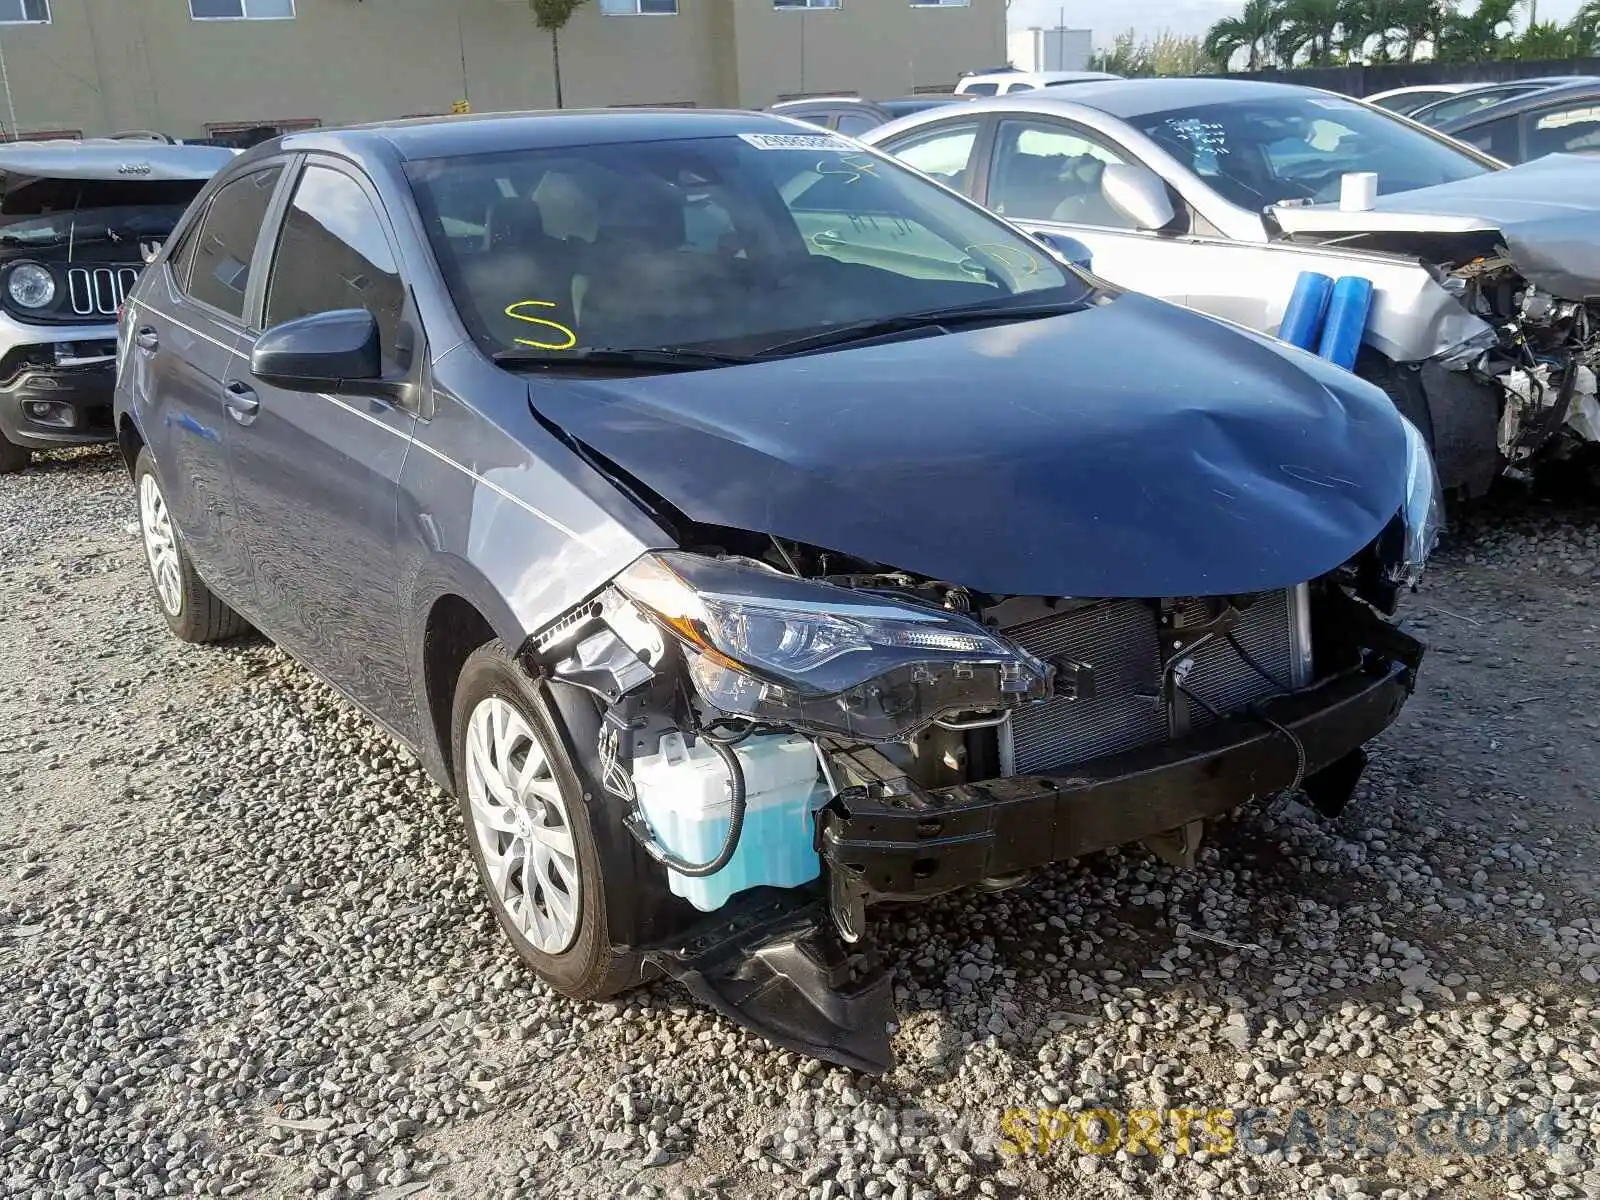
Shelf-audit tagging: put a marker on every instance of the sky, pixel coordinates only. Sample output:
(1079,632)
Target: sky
(1110,17)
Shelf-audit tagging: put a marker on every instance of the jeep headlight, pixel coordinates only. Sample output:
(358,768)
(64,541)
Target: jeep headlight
(1423,513)
(825,659)
(31,286)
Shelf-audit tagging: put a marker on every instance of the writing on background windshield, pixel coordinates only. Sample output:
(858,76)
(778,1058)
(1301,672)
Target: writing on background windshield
(719,243)
(1297,149)
(43,212)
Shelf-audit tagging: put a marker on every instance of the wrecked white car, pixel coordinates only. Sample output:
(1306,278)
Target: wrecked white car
(1220,194)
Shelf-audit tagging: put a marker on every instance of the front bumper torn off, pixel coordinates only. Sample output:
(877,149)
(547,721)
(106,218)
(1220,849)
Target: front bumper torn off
(775,962)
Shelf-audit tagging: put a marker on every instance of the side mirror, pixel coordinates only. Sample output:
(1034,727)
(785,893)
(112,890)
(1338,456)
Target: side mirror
(1068,248)
(334,352)
(1139,194)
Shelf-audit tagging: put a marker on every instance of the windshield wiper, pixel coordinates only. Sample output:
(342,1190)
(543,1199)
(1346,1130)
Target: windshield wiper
(939,318)
(652,358)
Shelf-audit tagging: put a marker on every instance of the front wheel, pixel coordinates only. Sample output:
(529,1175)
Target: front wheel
(552,884)
(191,611)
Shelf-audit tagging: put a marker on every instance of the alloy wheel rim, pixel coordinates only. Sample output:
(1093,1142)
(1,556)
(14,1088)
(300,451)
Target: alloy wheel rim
(522,826)
(160,545)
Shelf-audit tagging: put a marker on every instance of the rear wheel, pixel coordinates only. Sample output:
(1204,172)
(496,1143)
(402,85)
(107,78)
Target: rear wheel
(13,457)
(556,884)
(191,611)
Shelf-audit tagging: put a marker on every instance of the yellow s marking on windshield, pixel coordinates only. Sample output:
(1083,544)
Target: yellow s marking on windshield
(570,338)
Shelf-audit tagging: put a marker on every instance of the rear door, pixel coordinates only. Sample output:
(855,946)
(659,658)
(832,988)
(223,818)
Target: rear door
(184,333)
(315,476)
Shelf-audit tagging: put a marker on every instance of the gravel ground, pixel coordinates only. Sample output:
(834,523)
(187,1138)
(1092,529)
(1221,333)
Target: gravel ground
(242,951)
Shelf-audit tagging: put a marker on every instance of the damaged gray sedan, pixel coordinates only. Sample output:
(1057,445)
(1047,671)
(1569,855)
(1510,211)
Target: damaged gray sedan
(1220,194)
(625,466)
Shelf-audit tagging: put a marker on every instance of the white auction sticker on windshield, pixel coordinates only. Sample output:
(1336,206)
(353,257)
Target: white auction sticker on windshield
(797,141)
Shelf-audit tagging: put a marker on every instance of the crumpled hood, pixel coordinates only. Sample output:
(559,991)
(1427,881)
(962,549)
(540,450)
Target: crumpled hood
(1131,450)
(1546,211)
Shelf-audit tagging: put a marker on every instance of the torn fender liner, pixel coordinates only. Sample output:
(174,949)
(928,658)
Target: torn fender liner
(771,962)
(1132,449)
(1547,211)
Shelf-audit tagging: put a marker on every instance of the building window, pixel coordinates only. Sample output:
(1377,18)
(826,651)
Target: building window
(44,135)
(24,12)
(639,8)
(244,134)
(805,3)
(240,10)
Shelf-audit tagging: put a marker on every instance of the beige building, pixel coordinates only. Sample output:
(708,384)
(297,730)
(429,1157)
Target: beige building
(192,67)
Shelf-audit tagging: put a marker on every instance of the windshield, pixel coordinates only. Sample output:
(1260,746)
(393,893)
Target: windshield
(731,244)
(37,212)
(1257,153)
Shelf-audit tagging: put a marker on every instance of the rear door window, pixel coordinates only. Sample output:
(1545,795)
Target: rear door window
(1572,129)
(213,265)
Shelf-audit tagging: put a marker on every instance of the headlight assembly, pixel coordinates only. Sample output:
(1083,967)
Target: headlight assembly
(31,286)
(826,659)
(1423,514)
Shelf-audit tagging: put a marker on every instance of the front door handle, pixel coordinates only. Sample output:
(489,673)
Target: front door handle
(243,405)
(147,339)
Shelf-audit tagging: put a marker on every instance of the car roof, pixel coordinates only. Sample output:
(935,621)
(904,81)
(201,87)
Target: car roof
(1414,89)
(1584,89)
(423,138)
(1127,98)
(779,105)
(1038,76)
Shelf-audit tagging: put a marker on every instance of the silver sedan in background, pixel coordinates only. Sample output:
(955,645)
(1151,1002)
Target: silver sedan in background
(1219,194)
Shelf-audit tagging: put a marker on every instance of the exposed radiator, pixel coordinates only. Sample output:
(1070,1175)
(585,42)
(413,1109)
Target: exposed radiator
(1120,641)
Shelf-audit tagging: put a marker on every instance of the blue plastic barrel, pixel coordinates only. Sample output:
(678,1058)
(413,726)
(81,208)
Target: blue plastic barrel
(1302,321)
(1347,321)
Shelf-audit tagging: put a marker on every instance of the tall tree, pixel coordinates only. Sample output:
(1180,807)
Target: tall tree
(1252,31)
(552,17)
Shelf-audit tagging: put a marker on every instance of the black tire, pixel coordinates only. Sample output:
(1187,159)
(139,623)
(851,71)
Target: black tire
(13,457)
(609,898)
(199,616)
(1404,389)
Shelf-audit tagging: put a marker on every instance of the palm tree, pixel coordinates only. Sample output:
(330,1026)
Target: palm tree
(1311,26)
(1252,31)
(1390,28)
(1585,28)
(1423,21)
(1481,34)
(1549,40)
(552,17)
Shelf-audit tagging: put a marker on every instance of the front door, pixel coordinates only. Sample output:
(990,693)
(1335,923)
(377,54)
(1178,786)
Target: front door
(315,475)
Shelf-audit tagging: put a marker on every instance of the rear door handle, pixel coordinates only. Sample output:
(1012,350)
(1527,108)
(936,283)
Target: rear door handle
(147,339)
(243,405)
